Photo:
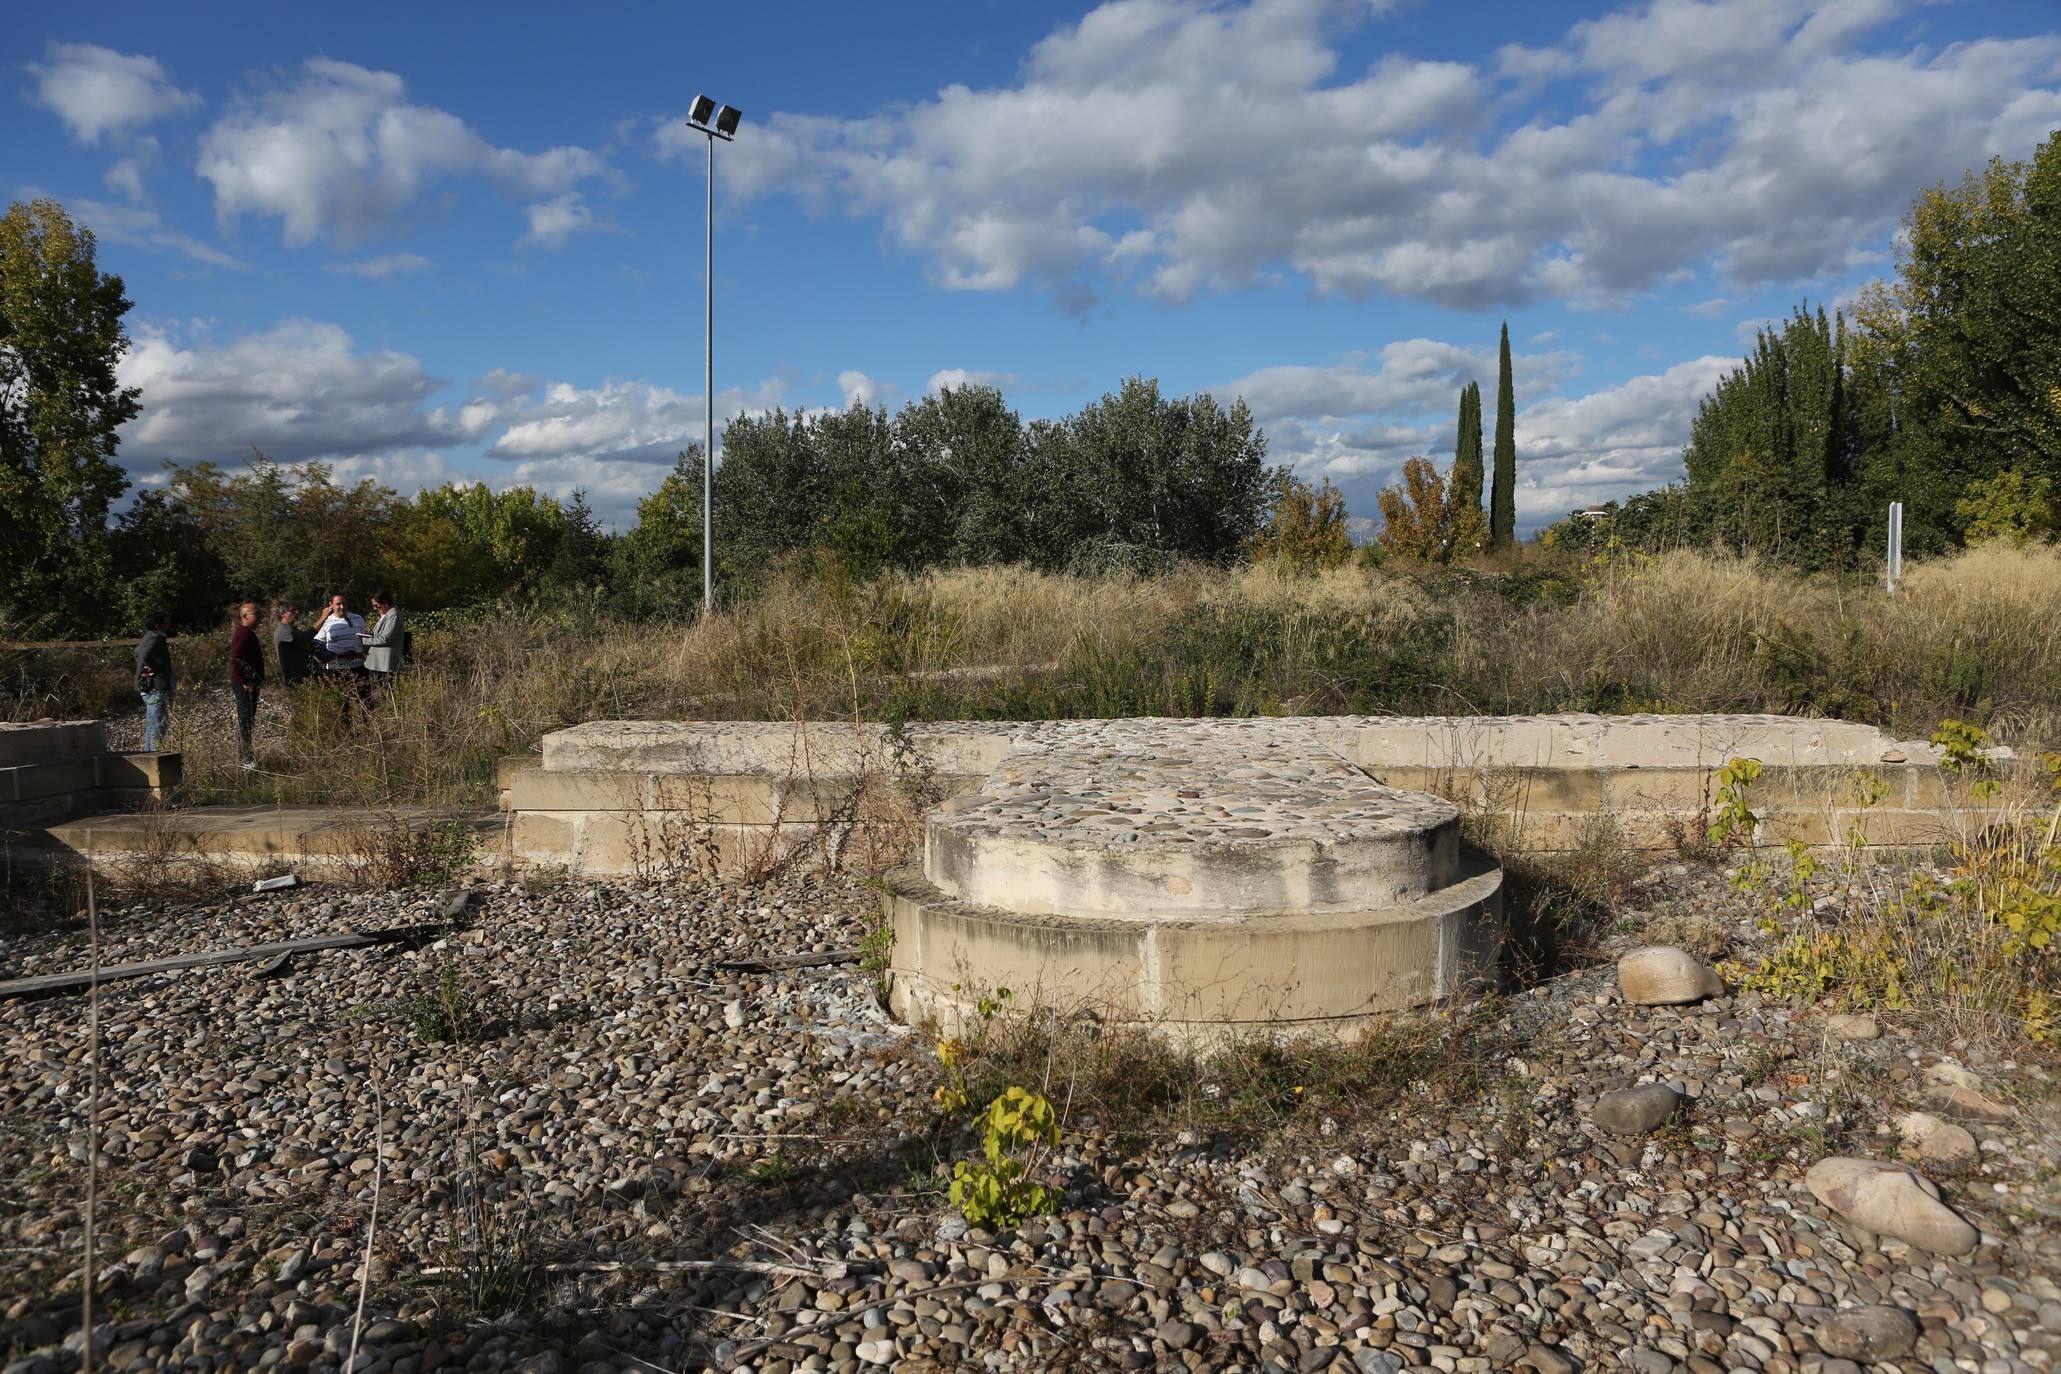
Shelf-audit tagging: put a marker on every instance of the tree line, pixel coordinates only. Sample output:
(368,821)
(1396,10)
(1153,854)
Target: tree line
(1130,481)
(1941,391)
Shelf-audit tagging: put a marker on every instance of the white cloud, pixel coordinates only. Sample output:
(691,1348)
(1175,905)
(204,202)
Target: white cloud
(98,92)
(1356,424)
(145,228)
(1415,377)
(126,175)
(1610,443)
(339,153)
(555,220)
(955,377)
(299,390)
(1768,138)
(858,389)
(405,472)
(385,265)
(617,421)
(613,486)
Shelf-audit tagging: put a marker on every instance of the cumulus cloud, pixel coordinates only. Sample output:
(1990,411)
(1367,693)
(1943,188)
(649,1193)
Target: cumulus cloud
(338,152)
(554,221)
(1766,137)
(1412,378)
(99,93)
(385,265)
(1610,443)
(613,487)
(616,422)
(858,389)
(955,377)
(1356,422)
(299,390)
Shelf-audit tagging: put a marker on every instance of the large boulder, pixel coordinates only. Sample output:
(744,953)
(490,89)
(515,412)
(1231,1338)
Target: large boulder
(1868,1335)
(1664,976)
(1891,1200)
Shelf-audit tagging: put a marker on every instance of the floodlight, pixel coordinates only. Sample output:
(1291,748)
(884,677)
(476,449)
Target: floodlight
(712,122)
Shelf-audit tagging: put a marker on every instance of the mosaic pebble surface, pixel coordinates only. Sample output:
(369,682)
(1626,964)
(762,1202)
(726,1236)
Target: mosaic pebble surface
(1172,784)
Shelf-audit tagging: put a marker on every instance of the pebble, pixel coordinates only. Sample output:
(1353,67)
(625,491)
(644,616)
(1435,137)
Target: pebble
(1868,1335)
(1635,1111)
(651,1104)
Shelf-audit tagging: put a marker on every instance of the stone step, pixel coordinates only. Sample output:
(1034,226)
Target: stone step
(46,741)
(251,832)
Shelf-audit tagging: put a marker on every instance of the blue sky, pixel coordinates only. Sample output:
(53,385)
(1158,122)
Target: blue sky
(427,242)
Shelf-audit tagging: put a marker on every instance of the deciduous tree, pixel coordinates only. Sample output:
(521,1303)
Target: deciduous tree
(61,337)
(1414,517)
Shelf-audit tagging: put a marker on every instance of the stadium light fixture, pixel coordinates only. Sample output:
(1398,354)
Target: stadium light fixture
(724,126)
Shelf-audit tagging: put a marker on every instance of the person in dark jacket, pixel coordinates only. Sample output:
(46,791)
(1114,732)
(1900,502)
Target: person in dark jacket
(246,676)
(295,645)
(155,681)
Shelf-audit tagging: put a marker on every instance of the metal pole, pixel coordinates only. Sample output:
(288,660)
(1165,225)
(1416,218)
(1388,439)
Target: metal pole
(708,382)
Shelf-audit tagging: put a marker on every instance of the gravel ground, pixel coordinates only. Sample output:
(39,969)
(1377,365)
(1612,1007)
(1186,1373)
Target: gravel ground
(770,1136)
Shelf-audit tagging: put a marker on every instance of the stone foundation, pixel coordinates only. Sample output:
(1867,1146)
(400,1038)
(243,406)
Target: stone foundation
(605,797)
(50,770)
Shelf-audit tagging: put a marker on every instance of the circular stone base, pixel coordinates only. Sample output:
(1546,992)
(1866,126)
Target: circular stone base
(1185,820)
(1194,981)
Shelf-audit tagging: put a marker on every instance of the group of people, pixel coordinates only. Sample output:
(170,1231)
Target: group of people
(338,648)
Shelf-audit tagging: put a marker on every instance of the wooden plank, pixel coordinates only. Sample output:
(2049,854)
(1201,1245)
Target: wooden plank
(81,979)
(773,963)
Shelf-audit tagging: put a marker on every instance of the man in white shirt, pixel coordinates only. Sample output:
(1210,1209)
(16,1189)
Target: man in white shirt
(341,635)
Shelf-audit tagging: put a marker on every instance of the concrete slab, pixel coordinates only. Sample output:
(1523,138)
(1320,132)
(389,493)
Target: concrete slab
(250,832)
(46,741)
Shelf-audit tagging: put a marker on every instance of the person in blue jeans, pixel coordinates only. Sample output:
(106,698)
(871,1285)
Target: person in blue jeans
(155,680)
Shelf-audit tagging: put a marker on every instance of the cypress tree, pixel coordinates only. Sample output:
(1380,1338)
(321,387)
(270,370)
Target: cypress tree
(1503,497)
(1464,490)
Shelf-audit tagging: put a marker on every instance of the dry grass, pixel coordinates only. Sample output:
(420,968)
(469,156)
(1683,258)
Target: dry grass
(1970,636)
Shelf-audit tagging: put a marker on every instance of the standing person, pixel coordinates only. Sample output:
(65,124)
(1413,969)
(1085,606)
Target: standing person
(155,680)
(295,645)
(383,645)
(246,676)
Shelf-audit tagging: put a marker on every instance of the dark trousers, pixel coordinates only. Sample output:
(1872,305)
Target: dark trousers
(246,715)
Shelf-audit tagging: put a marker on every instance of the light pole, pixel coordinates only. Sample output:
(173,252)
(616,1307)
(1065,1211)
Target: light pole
(706,118)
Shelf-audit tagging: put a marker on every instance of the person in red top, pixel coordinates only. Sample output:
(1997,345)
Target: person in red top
(246,676)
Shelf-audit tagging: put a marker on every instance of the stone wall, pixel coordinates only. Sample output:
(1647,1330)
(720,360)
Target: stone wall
(50,770)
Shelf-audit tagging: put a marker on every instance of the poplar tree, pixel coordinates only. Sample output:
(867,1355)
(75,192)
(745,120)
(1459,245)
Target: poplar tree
(1503,498)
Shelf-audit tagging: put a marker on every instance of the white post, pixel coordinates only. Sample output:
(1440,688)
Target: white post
(1896,543)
